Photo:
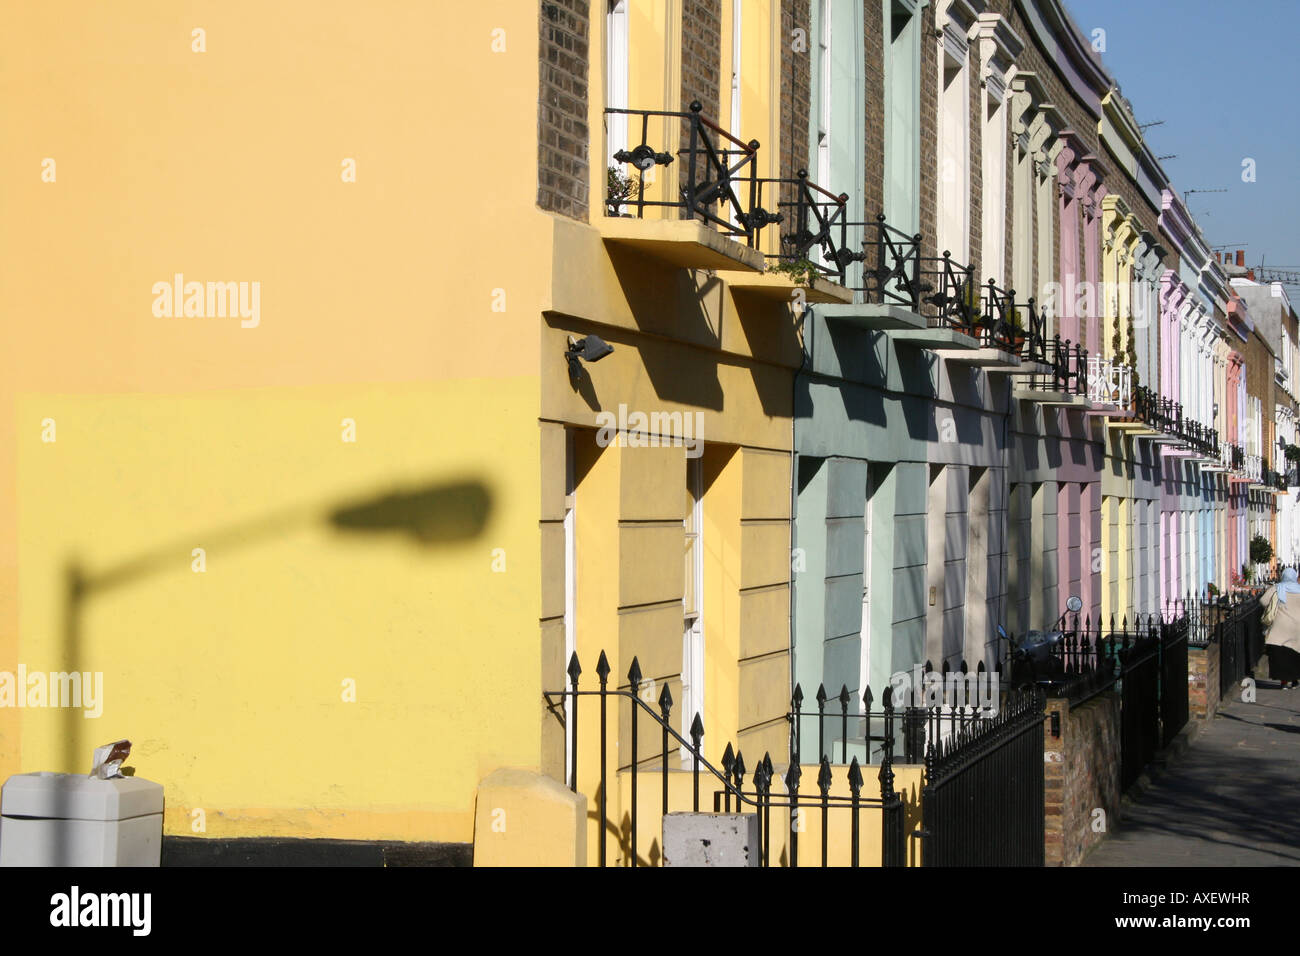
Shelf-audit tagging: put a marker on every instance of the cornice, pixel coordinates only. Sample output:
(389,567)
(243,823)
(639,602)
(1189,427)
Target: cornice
(999,45)
(1069,52)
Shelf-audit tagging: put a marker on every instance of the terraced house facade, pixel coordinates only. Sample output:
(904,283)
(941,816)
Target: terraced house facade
(842,338)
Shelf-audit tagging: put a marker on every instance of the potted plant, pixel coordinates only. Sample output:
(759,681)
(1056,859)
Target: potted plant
(1261,552)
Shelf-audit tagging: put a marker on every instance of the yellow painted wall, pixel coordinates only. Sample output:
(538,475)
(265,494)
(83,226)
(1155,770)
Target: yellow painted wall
(376,303)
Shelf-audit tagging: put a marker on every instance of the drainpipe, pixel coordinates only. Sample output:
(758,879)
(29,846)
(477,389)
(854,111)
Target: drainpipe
(805,349)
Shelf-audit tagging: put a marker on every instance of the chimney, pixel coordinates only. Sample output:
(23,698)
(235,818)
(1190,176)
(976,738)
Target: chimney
(1241,258)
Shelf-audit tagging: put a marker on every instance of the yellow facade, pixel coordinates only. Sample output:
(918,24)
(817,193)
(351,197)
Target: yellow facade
(402,567)
(310,552)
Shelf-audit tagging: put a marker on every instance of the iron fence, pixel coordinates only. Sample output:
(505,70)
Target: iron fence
(725,782)
(941,704)
(1235,623)
(1144,661)
(982,802)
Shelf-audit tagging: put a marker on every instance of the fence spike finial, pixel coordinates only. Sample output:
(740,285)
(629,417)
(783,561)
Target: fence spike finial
(821,694)
(855,777)
(665,701)
(634,675)
(792,776)
(824,776)
(574,668)
(603,668)
(697,730)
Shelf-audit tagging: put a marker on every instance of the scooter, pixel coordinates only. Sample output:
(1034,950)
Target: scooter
(1034,659)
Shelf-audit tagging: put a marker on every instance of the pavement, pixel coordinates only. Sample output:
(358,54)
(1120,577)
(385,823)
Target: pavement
(1227,795)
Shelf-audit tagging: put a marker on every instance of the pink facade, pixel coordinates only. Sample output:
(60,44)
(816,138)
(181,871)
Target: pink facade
(1079,175)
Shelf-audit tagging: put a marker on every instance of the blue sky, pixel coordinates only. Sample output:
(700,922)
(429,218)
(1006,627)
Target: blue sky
(1223,76)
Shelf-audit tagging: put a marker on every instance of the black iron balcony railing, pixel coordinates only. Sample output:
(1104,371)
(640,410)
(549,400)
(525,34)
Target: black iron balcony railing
(950,297)
(1016,327)
(891,264)
(1068,369)
(719,175)
(1166,416)
(813,223)
(1238,459)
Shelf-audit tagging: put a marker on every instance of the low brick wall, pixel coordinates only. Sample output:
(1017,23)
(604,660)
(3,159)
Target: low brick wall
(1080,775)
(1203,681)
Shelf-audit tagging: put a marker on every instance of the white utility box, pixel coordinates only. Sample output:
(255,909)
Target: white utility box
(68,819)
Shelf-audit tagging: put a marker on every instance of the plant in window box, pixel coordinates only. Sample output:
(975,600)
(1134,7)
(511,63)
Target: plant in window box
(968,307)
(620,190)
(1015,330)
(801,271)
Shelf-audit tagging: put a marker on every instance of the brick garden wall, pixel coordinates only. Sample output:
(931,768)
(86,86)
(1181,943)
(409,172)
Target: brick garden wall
(1081,774)
(562,160)
(1203,681)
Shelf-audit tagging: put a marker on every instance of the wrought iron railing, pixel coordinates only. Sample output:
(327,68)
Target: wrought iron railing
(983,799)
(1068,369)
(950,297)
(1145,661)
(891,265)
(726,782)
(714,164)
(813,221)
(944,703)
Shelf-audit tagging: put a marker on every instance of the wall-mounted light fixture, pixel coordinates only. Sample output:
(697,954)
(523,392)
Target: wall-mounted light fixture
(589,348)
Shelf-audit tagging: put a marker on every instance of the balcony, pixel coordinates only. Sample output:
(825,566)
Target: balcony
(811,260)
(708,223)
(990,316)
(1110,385)
(944,301)
(890,295)
(1065,383)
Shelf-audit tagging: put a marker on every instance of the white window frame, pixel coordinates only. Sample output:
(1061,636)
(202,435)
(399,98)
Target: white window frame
(616,76)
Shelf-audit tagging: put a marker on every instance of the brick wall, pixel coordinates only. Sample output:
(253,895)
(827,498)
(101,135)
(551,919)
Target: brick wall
(976,171)
(1203,681)
(929,133)
(562,135)
(873,190)
(701,59)
(796,89)
(1080,775)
